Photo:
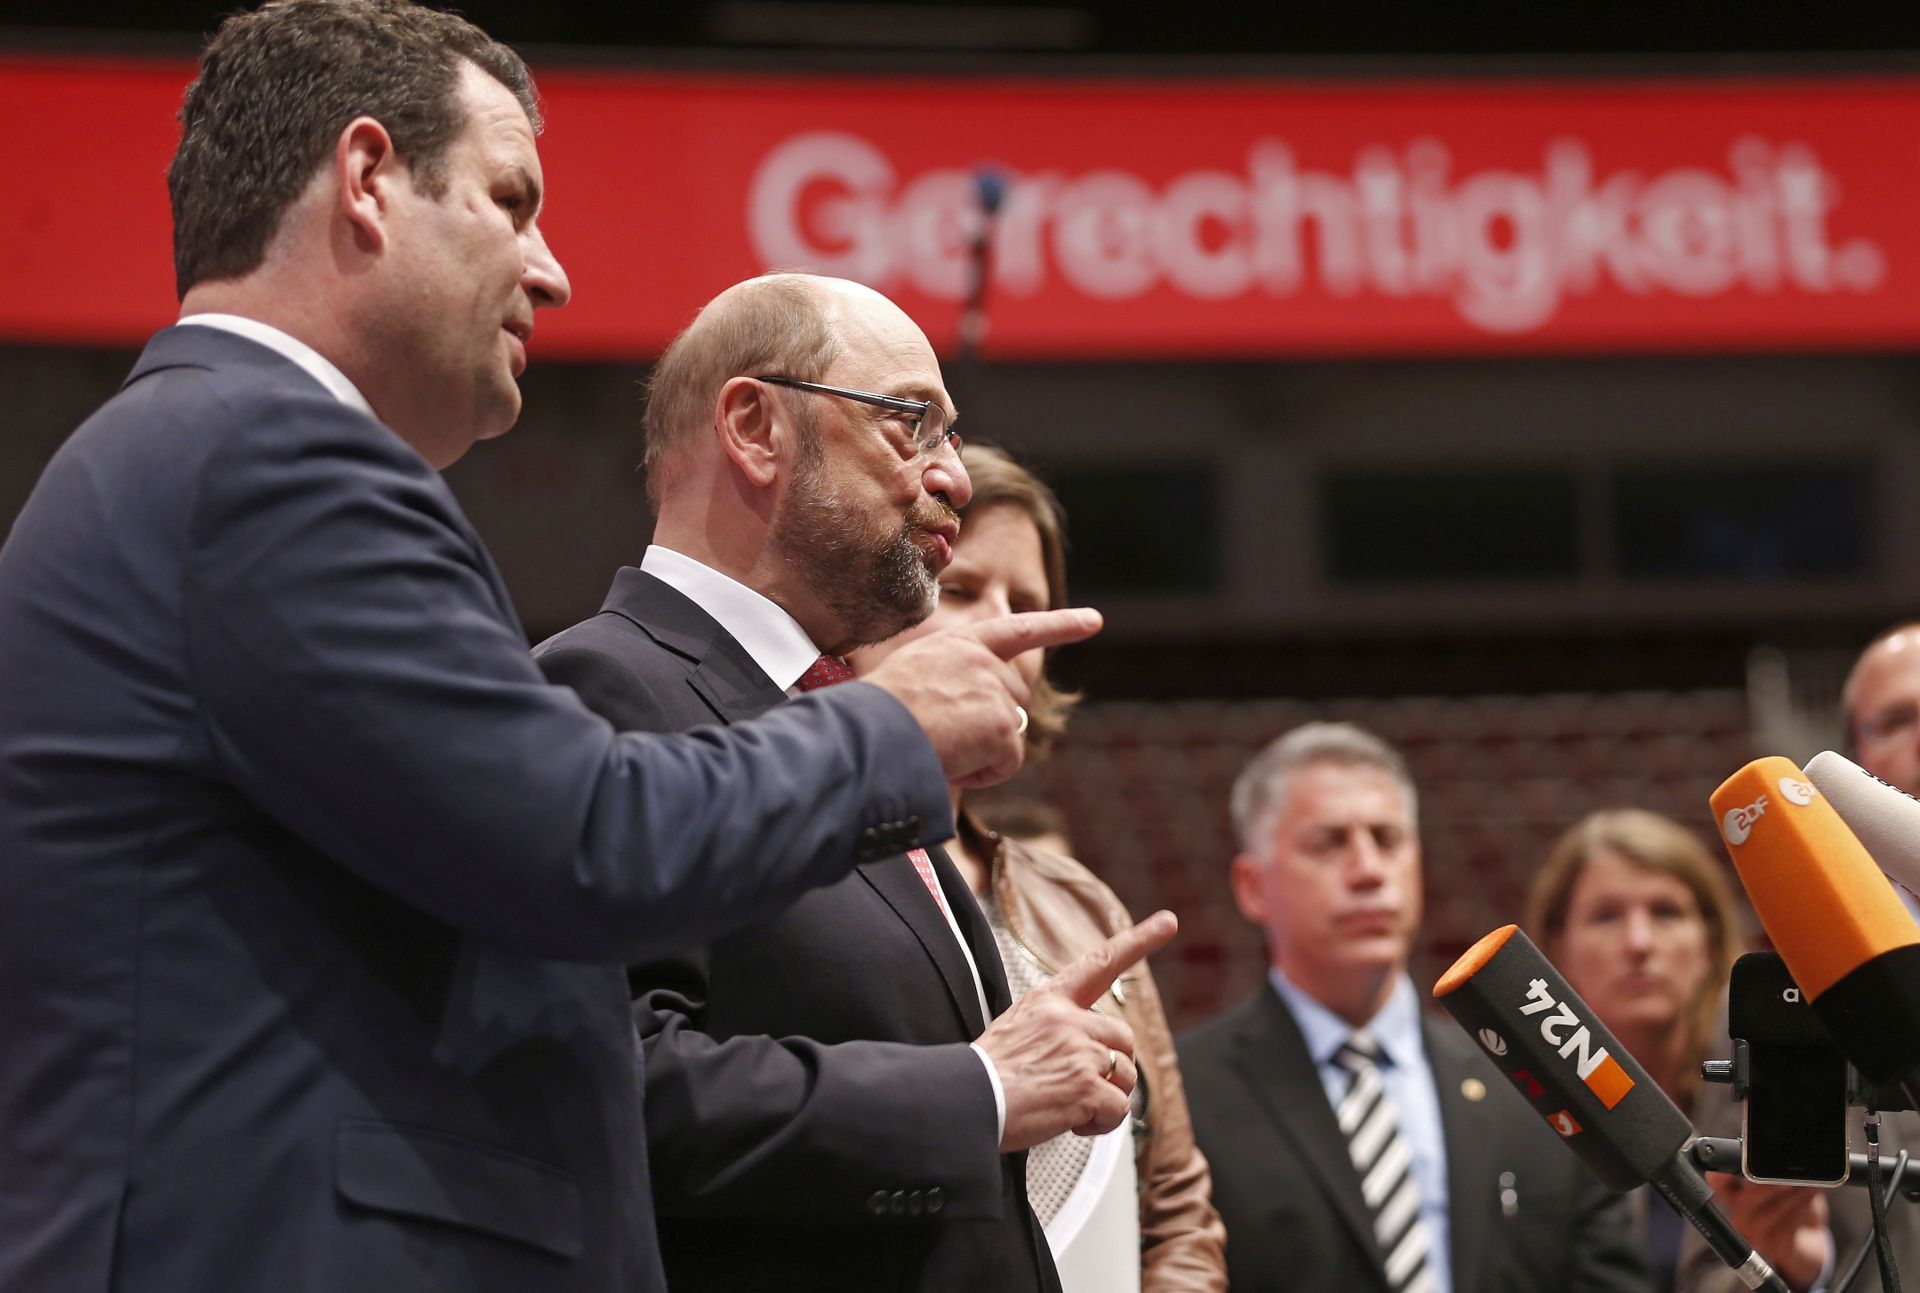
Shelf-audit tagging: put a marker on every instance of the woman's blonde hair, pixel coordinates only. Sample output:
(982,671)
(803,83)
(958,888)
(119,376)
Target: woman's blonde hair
(1663,846)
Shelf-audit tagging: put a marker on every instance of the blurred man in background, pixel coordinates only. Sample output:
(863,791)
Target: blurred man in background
(1358,1143)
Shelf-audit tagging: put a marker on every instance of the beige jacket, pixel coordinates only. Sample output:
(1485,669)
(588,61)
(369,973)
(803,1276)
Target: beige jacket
(1058,910)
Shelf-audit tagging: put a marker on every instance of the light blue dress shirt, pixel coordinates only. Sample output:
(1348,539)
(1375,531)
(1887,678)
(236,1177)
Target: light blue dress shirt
(1409,1081)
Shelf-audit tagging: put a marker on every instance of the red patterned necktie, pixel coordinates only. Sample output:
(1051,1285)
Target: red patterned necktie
(825,672)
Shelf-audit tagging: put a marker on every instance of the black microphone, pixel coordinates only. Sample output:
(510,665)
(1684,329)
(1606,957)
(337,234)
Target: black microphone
(989,191)
(1574,1073)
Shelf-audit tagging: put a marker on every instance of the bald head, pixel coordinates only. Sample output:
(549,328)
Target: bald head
(790,324)
(1882,703)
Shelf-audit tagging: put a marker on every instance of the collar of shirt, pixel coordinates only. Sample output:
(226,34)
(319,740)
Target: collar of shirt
(772,637)
(291,348)
(1396,1025)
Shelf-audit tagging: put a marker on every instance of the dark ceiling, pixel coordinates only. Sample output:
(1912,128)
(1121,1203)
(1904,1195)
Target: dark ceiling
(1333,28)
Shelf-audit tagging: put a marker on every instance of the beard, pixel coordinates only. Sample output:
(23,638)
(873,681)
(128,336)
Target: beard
(875,579)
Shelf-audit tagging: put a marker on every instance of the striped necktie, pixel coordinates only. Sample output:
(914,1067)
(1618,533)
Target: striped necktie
(1384,1161)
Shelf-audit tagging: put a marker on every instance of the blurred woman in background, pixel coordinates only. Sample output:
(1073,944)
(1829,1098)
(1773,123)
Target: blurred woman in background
(1130,1210)
(1635,911)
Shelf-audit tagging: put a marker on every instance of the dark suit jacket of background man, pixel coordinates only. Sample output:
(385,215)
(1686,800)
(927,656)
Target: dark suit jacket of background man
(815,1119)
(304,868)
(1290,1198)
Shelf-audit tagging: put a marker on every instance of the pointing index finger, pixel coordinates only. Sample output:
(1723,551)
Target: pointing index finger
(1011,635)
(1087,979)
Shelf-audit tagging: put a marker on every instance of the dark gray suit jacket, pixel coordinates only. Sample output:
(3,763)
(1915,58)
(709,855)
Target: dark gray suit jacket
(314,895)
(1287,1190)
(815,1118)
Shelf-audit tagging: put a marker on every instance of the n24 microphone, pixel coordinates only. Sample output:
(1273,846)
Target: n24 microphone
(1831,914)
(1567,1065)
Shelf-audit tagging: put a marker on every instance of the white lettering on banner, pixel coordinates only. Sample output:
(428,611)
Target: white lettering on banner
(1506,247)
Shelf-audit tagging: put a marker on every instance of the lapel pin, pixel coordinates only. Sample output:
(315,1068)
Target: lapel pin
(1473,1089)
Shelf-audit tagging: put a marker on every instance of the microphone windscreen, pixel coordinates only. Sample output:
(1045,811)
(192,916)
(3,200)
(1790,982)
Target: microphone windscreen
(1824,903)
(1883,817)
(1561,1058)
(1843,932)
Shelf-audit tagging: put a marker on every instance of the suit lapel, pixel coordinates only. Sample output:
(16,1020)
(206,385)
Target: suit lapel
(899,884)
(724,676)
(1469,1129)
(730,684)
(975,929)
(1272,1058)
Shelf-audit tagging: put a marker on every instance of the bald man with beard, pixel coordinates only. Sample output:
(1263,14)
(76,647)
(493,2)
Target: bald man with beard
(839,1098)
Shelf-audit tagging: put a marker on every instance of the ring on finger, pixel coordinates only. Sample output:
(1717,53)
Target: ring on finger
(1020,724)
(1113,1062)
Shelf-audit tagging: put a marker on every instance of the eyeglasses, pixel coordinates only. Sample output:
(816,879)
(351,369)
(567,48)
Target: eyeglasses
(930,419)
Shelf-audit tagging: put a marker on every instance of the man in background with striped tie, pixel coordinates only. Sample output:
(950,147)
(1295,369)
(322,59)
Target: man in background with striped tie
(839,1098)
(1359,1142)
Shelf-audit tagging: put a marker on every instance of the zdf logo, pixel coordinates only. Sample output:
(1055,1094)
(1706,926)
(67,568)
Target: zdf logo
(1737,825)
(1796,791)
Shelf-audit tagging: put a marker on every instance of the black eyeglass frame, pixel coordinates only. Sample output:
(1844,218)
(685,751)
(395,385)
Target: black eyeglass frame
(926,441)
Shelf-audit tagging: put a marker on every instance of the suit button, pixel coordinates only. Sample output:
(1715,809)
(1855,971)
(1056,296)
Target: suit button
(915,1203)
(935,1200)
(877,1203)
(899,1203)
(913,826)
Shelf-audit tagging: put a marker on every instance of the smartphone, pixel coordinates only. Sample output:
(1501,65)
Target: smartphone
(1794,1127)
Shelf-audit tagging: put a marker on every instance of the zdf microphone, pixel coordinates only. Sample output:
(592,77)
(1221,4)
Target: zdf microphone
(1843,932)
(1562,1059)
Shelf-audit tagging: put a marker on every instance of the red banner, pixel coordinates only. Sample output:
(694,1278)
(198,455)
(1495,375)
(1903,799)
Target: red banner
(1141,219)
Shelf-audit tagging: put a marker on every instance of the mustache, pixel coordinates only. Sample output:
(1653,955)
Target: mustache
(938,513)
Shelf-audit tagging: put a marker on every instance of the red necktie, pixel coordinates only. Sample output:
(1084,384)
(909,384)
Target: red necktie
(825,672)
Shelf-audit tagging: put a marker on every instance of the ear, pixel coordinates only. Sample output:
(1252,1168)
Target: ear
(754,430)
(366,168)
(1249,876)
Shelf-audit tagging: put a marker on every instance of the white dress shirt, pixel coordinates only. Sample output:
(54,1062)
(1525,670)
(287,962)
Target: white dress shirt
(312,361)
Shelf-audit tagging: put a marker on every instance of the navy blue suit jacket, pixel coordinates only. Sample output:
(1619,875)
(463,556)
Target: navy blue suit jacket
(314,895)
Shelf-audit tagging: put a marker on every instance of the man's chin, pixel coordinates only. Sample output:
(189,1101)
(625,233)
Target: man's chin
(501,414)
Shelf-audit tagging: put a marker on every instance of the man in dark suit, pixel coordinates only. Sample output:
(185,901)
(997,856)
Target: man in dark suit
(816,1116)
(1358,1142)
(315,897)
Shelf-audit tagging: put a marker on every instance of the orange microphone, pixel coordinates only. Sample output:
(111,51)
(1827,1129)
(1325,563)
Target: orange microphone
(1849,943)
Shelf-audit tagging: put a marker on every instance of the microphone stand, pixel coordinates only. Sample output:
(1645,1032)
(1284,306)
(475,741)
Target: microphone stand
(1722,1154)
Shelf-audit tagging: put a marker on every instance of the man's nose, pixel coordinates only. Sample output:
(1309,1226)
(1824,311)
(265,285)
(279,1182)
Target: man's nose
(946,476)
(1366,862)
(546,282)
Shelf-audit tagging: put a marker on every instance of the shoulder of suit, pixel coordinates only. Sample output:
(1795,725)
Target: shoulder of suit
(1214,1033)
(609,635)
